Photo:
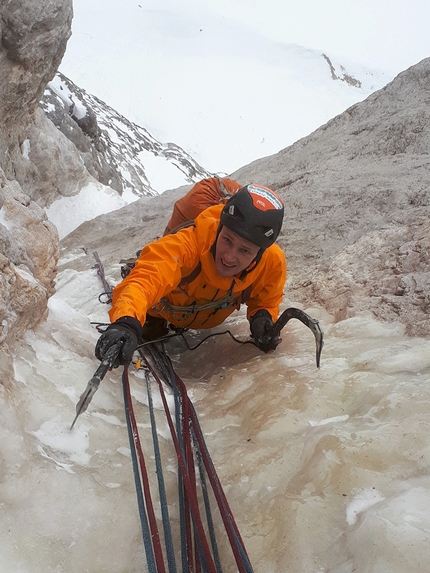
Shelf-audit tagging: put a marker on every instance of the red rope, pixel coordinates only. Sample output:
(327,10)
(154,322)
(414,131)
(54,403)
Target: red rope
(224,508)
(189,489)
(158,553)
(189,421)
(187,509)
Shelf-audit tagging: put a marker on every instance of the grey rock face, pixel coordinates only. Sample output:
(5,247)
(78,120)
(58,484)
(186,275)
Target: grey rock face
(34,38)
(28,261)
(356,190)
(84,133)
(41,160)
(33,41)
(51,165)
(357,197)
(385,271)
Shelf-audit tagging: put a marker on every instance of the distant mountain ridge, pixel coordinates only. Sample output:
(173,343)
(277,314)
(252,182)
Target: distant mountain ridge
(114,149)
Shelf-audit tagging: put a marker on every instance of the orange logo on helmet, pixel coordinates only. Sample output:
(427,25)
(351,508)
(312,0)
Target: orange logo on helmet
(263,198)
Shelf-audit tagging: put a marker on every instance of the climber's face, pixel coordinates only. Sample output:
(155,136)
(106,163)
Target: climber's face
(233,254)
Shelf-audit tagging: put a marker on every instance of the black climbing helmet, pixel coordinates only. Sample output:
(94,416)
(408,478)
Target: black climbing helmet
(255,213)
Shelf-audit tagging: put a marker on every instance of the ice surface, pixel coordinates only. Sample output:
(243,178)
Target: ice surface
(325,470)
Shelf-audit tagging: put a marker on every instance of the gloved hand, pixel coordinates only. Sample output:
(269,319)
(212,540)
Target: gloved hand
(127,330)
(262,327)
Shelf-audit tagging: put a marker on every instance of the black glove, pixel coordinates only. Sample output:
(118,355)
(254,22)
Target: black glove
(262,327)
(127,330)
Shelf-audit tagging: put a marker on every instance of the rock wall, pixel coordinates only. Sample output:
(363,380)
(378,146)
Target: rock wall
(34,37)
(51,165)
(357,197)
(28,261)
(115,150)
(32,160)
(83,132)
(356,191)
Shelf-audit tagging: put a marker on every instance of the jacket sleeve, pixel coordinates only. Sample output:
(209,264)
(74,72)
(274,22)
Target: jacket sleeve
(157,272)
(268,290)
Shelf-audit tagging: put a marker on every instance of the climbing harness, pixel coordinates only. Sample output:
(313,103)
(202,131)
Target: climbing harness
(229,300)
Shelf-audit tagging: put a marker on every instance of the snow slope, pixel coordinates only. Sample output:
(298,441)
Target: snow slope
(224,92)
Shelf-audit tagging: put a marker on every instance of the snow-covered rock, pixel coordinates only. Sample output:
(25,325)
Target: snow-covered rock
(116,151)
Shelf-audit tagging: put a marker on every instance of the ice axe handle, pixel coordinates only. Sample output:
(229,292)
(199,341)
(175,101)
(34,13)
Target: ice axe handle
(107,362)
(92,386)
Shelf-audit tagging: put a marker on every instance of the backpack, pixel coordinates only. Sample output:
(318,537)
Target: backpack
(204,194)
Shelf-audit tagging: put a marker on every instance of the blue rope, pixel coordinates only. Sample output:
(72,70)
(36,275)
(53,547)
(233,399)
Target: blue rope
(150,558)
(170,552)
(164,365)
(155,353)
(208,510)
(170,375)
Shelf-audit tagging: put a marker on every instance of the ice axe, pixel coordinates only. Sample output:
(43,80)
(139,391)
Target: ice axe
(92,386)
(307,320)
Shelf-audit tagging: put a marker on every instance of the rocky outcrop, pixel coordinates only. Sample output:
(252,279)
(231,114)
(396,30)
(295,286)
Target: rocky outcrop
(78,123)
(356,190)
(28,261)
(357,197)
(50,166)
(34,37)
(114,150)
(41,160)
(33,41)
(385,271)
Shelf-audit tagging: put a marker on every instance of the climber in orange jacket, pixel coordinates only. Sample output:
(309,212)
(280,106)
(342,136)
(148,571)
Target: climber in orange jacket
(196,277)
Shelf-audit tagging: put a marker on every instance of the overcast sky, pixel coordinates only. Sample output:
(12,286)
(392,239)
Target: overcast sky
(387,34)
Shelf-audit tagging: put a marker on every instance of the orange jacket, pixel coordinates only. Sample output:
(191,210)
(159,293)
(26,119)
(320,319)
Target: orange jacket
(204,194)
(154,283)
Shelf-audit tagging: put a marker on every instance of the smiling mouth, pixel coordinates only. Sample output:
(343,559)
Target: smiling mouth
(227,265)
